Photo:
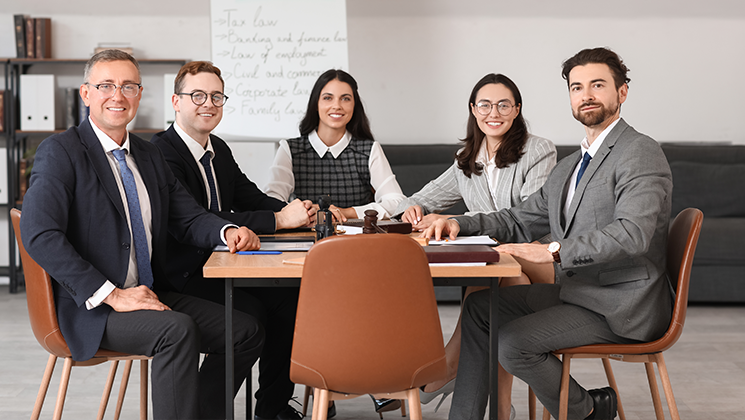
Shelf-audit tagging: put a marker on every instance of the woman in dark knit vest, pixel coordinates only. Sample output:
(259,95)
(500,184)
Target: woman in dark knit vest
(336,155)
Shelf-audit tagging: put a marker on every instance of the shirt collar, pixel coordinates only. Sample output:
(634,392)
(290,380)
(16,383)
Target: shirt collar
(483,156)
(107,142)
(592,149)
(320,147)
(194,147)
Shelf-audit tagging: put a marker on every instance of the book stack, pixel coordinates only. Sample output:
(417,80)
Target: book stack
(33,37)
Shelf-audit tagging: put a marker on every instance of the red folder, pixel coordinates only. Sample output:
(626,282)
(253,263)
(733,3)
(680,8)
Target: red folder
(461,253)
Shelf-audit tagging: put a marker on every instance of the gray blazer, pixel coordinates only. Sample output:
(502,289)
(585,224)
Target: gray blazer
(613,244)
(516,183)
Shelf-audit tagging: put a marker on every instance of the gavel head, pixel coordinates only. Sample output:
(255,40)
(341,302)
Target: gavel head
(324,218)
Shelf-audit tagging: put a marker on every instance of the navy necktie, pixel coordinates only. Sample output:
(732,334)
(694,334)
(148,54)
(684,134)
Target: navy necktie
(142,254)
(585,161)
(205,161)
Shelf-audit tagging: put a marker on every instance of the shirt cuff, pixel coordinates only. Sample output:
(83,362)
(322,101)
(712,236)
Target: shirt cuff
(222,233)
(98,297)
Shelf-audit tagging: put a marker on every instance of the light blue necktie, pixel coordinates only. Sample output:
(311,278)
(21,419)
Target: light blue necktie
(142,253)
(205,161)
(585,161)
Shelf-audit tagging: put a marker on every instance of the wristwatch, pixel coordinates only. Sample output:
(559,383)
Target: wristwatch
(554,248)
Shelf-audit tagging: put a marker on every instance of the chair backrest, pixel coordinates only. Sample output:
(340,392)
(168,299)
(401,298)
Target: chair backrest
(367,318)
(681,246)
(39,298)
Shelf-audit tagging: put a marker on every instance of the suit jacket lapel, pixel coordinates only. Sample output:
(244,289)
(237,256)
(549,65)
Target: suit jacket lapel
(223,176)
(185,154)
(149,177)
(481,186)
(592,168)
(101,166)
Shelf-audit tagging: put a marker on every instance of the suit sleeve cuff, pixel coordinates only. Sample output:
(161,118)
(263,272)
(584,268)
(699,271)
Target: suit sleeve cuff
(222,232)
(98,297)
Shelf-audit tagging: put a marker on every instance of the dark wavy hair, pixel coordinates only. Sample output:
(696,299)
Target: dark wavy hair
(511,149)
(598,55)
(359,125)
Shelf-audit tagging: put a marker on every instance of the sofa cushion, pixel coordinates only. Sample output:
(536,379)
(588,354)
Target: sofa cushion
(715,189)
(720,242)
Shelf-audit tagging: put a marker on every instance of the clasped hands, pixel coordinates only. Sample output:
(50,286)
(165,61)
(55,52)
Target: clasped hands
(531,252)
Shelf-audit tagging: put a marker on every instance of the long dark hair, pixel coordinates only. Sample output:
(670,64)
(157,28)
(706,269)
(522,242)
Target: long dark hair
(513,143)
(359,125)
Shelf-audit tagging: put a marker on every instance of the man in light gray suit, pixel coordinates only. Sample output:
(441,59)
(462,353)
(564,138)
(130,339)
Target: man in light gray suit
(607,207)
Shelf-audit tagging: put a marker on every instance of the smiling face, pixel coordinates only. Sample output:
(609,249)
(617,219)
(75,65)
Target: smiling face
(198,120)
(593,95)
(495,126)
(335,107)
(113,114)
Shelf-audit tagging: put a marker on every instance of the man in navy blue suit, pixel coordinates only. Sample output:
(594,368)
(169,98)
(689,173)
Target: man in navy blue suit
(96,217)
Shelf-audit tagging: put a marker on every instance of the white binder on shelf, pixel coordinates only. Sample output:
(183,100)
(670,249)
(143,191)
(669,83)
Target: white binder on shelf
(37,102)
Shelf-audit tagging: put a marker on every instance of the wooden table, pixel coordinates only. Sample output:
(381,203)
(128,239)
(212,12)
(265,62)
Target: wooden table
(270,271)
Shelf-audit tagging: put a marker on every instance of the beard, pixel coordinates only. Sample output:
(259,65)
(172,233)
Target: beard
(596,117)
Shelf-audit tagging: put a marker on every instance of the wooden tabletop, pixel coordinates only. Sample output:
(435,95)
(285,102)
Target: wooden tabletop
(225,264)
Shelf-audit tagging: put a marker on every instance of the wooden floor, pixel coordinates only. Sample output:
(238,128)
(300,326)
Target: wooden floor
(707,369)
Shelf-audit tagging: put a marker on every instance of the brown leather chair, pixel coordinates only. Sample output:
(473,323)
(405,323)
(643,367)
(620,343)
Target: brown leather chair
(43,317)
(367,322)
(681,245)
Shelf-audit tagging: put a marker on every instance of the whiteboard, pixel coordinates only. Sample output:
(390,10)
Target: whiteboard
(271,52)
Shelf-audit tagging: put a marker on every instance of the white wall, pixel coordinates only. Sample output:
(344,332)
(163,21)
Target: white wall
(686,57)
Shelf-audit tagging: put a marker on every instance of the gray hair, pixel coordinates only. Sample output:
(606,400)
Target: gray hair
(106,56)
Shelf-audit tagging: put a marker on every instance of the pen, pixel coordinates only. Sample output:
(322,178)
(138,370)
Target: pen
(258,252)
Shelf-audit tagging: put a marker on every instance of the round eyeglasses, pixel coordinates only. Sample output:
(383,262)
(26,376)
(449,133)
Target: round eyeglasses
(107,90)
(199,97)
(504,108)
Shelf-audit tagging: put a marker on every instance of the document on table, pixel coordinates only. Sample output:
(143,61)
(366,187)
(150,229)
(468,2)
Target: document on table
(275,246)
(466,240)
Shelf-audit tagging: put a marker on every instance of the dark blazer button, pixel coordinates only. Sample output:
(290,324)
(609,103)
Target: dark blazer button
(125,245)
(186,274)
(570,273)
(200,252)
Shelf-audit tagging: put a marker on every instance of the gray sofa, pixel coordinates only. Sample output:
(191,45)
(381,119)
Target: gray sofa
(708,177)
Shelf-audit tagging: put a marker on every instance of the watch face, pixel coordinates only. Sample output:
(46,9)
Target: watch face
(554,246)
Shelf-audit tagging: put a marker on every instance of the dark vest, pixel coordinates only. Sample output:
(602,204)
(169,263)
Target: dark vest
(346,179)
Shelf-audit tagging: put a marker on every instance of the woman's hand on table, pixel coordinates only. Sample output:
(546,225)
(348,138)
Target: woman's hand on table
(442,227)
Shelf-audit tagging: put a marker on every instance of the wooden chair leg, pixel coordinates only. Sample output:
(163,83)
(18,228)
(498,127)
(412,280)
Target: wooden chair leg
(564,393)
(415,404)
(320,404)
(107,391)
(612,382)
(531,404)
(403,408)
(123,388)
(44,387)
(143,388)
(546,414)
(306,397)
(62,393)
(667,386)
(659,414)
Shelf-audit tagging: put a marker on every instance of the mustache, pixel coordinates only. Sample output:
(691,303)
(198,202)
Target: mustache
(586,104)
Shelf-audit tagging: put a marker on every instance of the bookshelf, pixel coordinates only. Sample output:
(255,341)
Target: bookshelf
(18,141)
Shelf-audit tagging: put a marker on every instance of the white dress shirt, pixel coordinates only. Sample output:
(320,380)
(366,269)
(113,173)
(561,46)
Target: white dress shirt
(387,191)
(197,151)
(109,145)
(491,171)
(585,148)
